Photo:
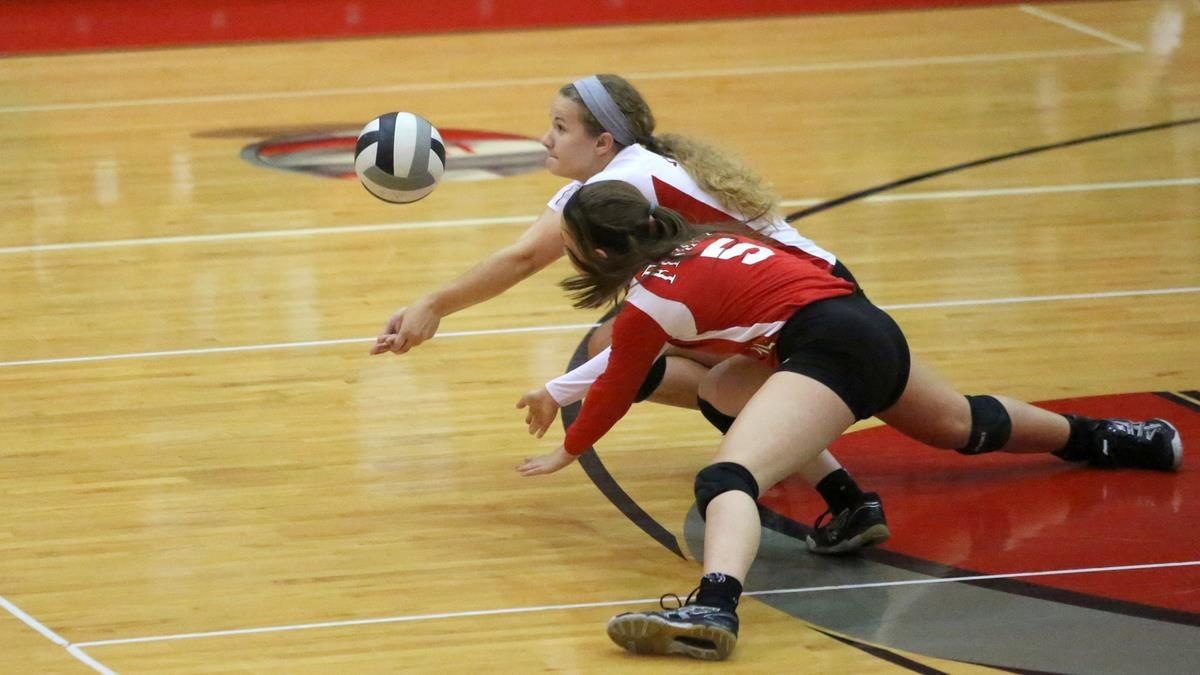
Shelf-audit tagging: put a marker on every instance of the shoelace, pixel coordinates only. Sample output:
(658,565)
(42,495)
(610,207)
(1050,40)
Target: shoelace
(820,519)
(1140,434)
(679,604)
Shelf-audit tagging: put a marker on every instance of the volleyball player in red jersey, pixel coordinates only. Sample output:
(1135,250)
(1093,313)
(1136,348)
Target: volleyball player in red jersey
(836,358)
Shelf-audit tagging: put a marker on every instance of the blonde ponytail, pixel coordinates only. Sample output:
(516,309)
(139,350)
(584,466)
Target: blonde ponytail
(726,178)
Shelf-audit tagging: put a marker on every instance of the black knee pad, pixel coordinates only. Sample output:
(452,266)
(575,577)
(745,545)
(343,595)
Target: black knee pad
(715,417)
(722,477)
(990,426)
(653,379)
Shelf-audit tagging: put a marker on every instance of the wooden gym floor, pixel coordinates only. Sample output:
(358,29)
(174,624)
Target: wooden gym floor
(202,470)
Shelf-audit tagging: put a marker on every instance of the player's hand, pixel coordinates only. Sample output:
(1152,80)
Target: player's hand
(407,328)
(547,463)
(541,410)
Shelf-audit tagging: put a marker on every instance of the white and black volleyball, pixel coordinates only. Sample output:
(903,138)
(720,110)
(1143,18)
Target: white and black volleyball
(399,157)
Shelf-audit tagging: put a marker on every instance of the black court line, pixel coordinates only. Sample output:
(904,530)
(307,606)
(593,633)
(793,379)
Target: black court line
(855,196)
(1032,590)
(600,476)
(1190,402)
(1021,671)
(885,655)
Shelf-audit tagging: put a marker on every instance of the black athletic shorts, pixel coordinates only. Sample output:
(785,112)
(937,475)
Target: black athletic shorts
(842,272)
(850,346)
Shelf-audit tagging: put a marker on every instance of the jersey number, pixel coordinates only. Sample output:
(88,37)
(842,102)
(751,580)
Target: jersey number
(721,250)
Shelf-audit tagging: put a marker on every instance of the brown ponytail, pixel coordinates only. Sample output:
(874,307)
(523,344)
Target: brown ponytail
(616,234)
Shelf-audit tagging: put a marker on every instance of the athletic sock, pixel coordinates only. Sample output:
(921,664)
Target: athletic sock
(1080,442)
(719,590)
(839,491)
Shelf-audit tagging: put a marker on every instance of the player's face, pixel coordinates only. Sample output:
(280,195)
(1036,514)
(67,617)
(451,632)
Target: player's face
(570,248)
(574,153)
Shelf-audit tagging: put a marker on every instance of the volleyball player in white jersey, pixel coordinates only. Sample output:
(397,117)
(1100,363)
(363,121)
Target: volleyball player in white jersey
(602,123)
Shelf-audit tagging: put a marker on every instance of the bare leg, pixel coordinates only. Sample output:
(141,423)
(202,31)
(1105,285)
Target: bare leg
(934,412)
(680,383)
(731,383)
(784,426)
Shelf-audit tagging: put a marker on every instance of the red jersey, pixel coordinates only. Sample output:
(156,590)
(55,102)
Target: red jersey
(721,293)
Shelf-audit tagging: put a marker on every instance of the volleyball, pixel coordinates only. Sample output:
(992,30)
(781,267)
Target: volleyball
(399,157)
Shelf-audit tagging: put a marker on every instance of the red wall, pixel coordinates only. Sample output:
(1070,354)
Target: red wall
(31,26)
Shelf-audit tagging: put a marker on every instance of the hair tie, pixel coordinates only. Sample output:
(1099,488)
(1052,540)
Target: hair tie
(602,106)
(652,225)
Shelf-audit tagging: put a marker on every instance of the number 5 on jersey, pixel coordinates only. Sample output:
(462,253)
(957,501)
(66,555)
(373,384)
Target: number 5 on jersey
(721,250)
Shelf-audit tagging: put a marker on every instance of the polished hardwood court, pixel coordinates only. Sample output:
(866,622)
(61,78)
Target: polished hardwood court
(203,470)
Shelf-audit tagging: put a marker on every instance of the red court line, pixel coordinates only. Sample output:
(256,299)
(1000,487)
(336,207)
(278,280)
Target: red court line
(48,26)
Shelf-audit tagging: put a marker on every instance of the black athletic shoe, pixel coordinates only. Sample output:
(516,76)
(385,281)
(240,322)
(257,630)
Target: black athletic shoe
(691,630)
(851,529)
(1153,444)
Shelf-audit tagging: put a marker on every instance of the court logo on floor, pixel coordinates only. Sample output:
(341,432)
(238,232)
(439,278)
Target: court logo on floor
(470,154)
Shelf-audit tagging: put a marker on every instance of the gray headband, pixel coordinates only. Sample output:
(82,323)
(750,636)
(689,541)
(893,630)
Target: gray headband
(602,106)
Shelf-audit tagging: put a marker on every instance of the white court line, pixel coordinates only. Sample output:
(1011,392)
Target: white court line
(265,234)
(508,220)
(559,80)
(1040,298)
(616,603)
(77,652)
(574,326)
(285,345)
(50,635)
(33,623)
(1082,28)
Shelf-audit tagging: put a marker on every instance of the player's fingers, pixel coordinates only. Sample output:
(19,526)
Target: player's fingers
(401,345)
(383,343)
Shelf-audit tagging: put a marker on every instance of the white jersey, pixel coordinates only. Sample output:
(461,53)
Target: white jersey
(663,182)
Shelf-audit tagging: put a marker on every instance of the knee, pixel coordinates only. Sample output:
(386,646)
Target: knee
(952,429)
(949,428)
(717,479)
(715,417)
(991,426)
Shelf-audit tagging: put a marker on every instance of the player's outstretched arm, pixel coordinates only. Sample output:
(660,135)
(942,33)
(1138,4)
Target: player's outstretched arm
(537,247)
